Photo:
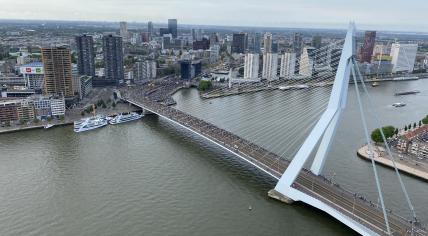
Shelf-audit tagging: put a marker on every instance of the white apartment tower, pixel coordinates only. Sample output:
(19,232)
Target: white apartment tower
(124,31)
(251,67)
(403,57)
(306,66)
(288,65)
(270,66)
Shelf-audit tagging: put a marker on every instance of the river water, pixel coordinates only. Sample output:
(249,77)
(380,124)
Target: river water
(153,178)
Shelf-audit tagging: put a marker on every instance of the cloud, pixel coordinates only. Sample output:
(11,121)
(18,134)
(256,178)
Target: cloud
(394,13)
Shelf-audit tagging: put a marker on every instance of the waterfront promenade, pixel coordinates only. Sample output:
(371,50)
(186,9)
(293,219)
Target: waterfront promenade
(415,168)
(351,205)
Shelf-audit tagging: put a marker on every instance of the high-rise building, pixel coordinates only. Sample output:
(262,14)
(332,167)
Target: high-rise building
(150,29)
(368,46)
(113,59)
(172,27)
(316,41)
(57,69)
(33,75)
(306,66)
(288,65)
(267,42)
(403,57)
(124,31)
(214,39)
(197,34)
(251,67)
(163,31)
(85,55)
(239,43)
(190,69)
(144,71)
(145,37)
(297,44)
(257,43)
(270,66)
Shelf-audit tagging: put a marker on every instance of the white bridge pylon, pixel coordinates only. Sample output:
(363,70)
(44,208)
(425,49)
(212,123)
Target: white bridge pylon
(323,133)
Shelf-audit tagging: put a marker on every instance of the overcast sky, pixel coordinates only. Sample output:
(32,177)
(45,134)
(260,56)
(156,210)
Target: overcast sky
(410,15)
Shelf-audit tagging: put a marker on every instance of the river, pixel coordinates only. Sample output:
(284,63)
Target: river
(153,178)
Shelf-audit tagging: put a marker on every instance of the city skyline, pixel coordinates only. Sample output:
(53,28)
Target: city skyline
(291,13)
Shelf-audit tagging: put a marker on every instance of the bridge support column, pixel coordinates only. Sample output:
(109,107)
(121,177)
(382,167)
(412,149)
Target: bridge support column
(280,197)
(325,145)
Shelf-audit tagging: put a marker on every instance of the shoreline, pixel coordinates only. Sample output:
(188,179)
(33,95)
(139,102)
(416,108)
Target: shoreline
(34,127)
(402,166)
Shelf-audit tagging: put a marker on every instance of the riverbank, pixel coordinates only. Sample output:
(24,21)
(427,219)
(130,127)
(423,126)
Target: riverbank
(414,168)
(70,117)
(225,92)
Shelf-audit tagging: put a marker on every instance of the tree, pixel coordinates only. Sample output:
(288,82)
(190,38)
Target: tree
(420,123)
(82,113)
(396,131)
(35,121)
(405,128)
(425,120)
(414,125)
(388,131)
(205,85)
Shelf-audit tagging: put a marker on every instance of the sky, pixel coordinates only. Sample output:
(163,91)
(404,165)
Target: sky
(410,15)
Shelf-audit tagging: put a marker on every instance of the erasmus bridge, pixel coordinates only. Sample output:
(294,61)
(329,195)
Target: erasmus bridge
(294,181)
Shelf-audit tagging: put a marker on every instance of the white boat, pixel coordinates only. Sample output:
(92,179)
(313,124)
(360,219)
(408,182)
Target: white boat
(47,126)
(125,117)
(300,86)
(405,78)
(399,104)
(89,124)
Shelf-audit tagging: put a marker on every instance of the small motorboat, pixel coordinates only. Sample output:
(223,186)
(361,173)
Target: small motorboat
(399,104)
(375,84)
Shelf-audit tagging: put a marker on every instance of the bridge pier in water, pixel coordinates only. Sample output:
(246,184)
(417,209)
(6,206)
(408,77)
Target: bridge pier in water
(280,197)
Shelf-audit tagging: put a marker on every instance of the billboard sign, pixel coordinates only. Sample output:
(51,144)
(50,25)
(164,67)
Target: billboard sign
(33,70)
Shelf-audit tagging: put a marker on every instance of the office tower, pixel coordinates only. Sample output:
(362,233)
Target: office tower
(150,29)
(297,44)
(403,57)
(368,46)
(163,31)
(270,66)
(113,58)
(288,65)
(172,27)
(166,41)
(251,67)
(316,41)
(267,42)
(57,69)
(190,69)
(197,34)
(306,66)
(85,55)
(257,43)
(124,31)
(214,39)
(239,43)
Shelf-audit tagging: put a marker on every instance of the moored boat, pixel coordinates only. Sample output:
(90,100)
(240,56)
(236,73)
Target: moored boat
(125,117)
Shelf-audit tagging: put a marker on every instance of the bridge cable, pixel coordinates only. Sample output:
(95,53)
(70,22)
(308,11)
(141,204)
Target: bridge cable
(370,147)
(403,187)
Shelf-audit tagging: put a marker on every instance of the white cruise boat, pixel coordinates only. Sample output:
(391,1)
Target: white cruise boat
(125,117)
(89,124)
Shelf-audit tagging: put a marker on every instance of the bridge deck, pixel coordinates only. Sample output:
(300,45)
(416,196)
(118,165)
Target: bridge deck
(349,204)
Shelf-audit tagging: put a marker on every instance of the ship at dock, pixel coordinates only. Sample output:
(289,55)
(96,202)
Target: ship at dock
(125,117)
(90,124)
